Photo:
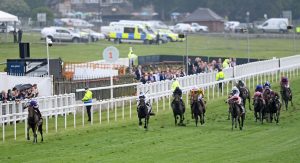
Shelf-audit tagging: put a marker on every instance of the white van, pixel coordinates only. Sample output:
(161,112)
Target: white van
(274,25)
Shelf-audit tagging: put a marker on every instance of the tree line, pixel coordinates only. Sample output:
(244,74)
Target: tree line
(231,9)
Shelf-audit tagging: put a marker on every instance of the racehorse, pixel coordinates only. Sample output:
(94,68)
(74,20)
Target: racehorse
(178,110)
(286,95)
(259,107)
(143,112)
(197,110)
(236,114)
(274,106)
(33,122)
(245,94)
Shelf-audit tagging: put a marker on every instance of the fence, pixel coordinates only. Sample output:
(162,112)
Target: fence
(237,71)
(118,105)
(45,103)
(68,86)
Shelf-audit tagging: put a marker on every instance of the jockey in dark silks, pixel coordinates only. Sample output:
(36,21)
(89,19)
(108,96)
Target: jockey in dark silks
(35,107)
(259,92)
(268,90)
(176,90)
(284,83)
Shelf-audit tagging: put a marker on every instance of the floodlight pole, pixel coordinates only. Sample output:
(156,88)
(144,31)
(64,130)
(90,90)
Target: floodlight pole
(248,48)
(187,54)
(48,63)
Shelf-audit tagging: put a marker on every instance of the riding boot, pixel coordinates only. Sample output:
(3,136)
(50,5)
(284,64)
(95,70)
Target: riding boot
(243,109)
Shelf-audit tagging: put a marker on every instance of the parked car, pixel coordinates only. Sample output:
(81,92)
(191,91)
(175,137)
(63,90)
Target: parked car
(241,28)
(199,28)
(182,28)
(94,36)
(230,26)
(60,34)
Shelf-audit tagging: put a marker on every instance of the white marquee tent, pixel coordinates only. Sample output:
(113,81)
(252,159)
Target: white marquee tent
(6,17)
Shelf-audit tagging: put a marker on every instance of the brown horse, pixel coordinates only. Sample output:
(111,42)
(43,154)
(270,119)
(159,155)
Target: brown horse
(274,106)
(245,94)
(143,112)
(259,107)
(178,110)
(198,110)
(286,95)
(236,114)
(34,123)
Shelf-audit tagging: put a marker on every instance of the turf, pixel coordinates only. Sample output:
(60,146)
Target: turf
(124,141)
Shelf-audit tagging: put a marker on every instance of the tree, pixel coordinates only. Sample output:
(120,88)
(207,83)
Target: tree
(35,3)
(49,13)
(16,7)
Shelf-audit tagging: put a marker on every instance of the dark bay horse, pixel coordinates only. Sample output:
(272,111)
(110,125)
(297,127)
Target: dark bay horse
(34,123)
(286,95)
(236,114)
(259,107)
(197,110)
(178,110)
(245,94)
(143,112)
(274,106)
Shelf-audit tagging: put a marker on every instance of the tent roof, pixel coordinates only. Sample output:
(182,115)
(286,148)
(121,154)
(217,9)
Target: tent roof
(6,17)
(203,14)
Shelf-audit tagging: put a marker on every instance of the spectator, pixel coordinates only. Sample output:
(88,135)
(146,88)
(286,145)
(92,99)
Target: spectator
(87,100)
(34,90)
(233,62)
(190,67)
(151,77)
(162,76)
(157,75)
(3,97)
(138,73)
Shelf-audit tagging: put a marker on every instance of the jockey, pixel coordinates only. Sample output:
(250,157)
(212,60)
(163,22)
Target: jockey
(147,101)
(259,88)
(200,92)
(267,85)
(268,90)
(240,84)
(176,90)
(235,94)
(284,82)
(35,106)
(259,92)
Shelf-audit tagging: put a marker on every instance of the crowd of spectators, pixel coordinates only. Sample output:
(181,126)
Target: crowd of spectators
(194,67)
(19,93)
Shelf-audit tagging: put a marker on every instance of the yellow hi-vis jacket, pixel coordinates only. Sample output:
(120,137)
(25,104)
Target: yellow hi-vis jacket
(225,63)
(88,96)
(175,84)
(131,55)
(220,76)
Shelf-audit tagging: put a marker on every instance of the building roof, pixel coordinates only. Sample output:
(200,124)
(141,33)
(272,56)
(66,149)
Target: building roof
(203,14)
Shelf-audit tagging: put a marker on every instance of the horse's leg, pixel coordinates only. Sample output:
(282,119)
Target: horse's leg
(28,128)
(255,115)
(232,122)
(202,118)
(228,114)
(249,103)
(140,122)
(34,130)
(239,120)
(146,121)
(196,119)
(175,117)
(41,132)
(235,121)
(286,104)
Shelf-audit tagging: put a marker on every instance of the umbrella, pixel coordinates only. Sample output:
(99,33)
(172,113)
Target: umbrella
(175,14)
(18,86)
(25,86)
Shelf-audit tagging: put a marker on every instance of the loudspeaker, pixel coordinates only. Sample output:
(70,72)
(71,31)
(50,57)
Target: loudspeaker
(24,50)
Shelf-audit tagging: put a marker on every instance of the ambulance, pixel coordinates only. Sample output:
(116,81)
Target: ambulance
(128,32)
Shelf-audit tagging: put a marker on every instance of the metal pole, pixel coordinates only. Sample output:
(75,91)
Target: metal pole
(48,63)
(248,47)
(187,54)
(111,82)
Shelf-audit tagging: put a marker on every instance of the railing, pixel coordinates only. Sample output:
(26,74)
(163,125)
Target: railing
(115,106)
(45,103)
